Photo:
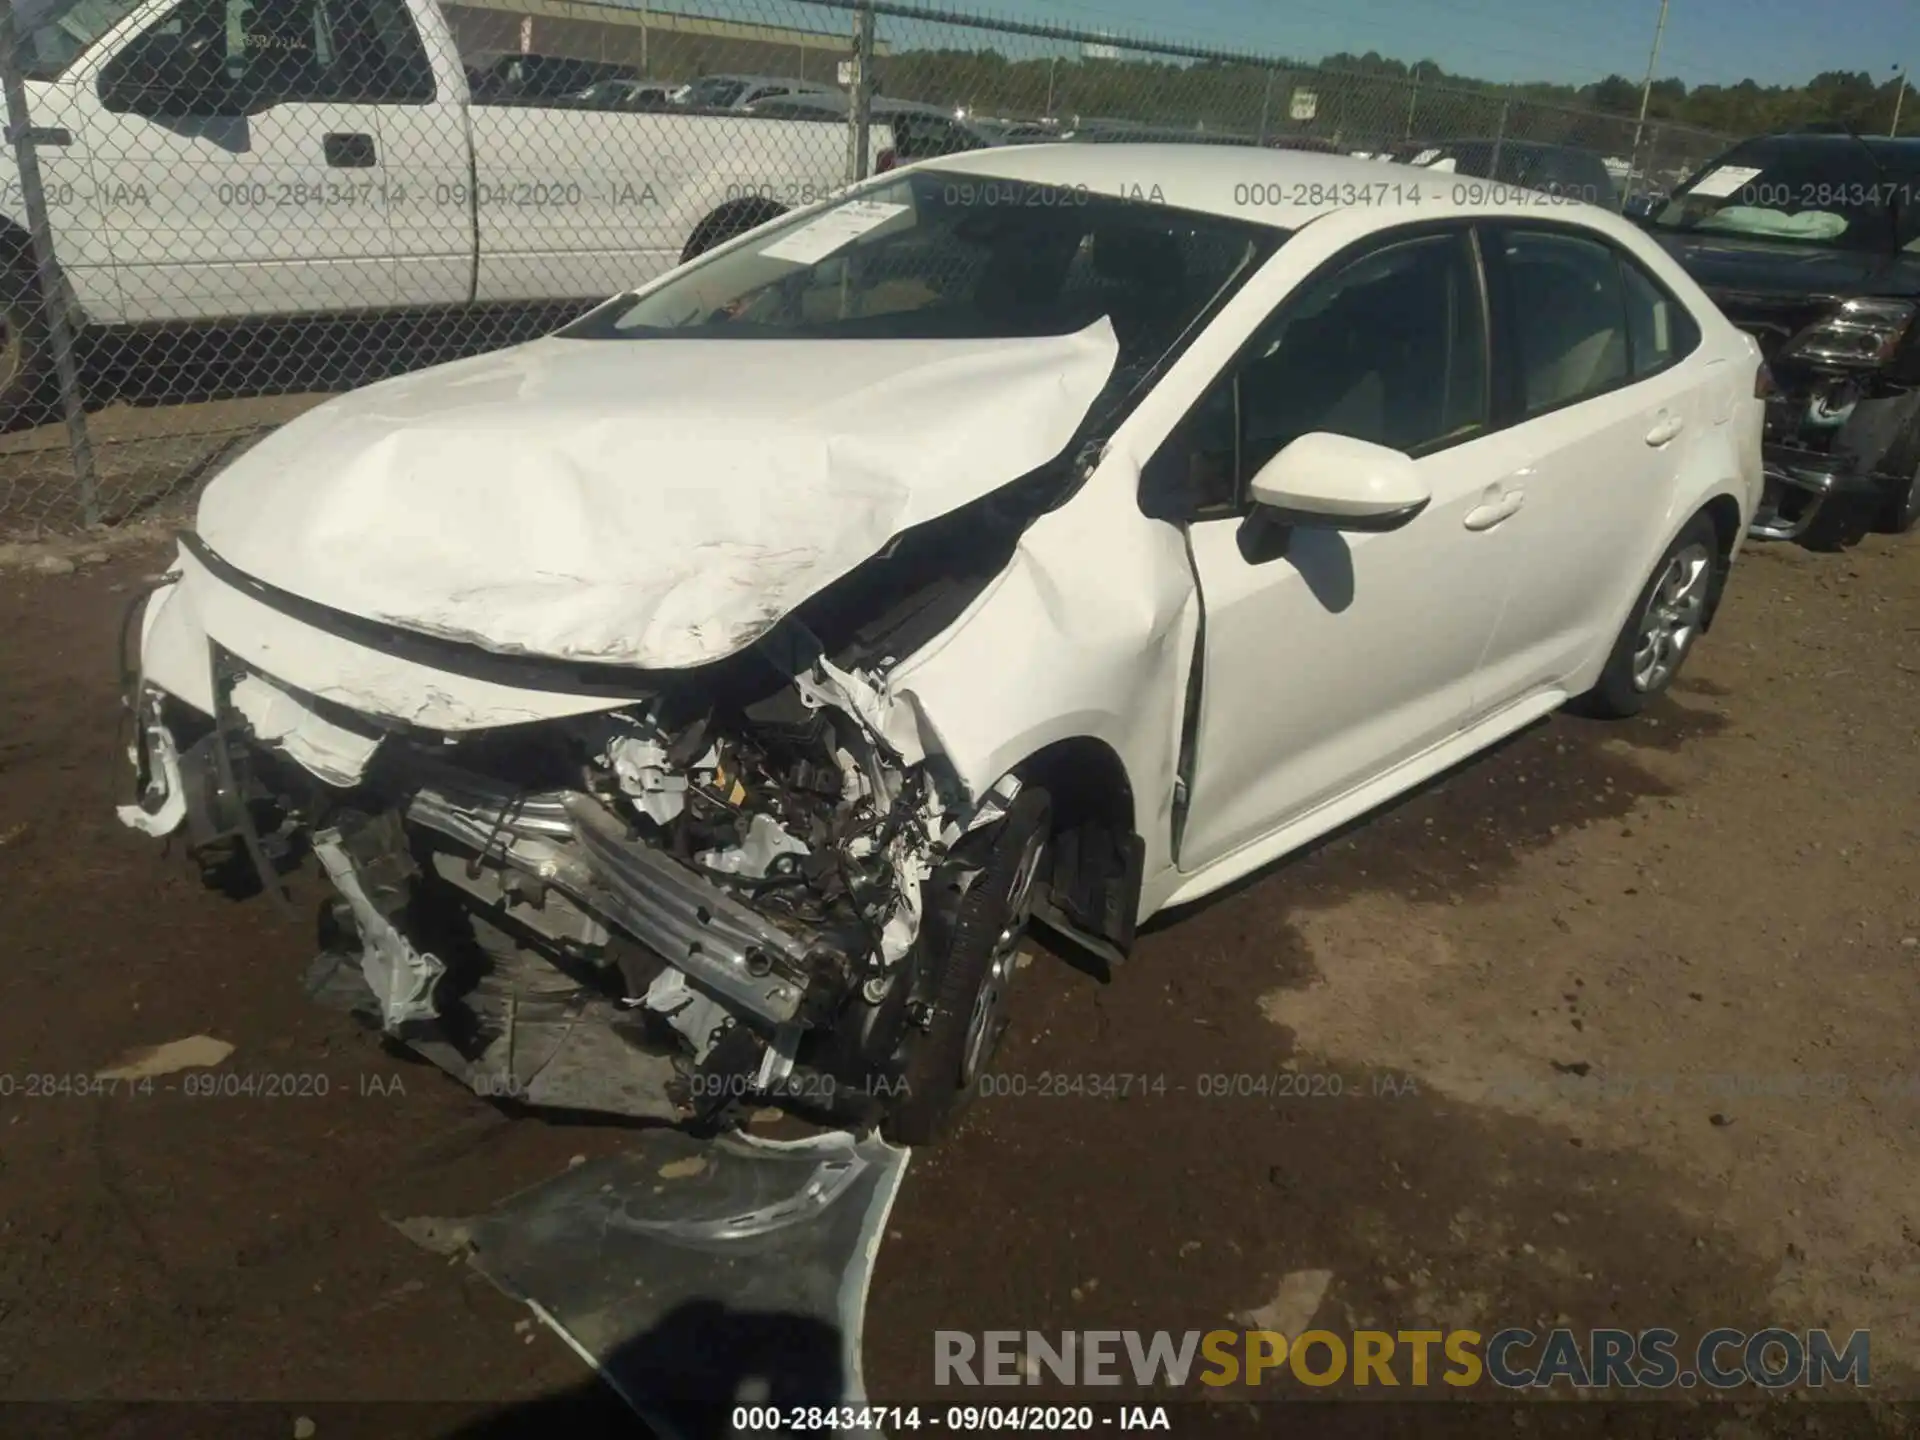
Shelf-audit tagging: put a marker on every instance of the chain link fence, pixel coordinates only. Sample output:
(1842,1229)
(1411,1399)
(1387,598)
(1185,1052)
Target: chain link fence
(220,211)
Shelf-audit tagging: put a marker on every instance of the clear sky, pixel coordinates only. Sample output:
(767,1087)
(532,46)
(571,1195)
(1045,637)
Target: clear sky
(1707,41)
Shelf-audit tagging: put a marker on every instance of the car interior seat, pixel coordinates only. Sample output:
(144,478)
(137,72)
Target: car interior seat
(1574,331)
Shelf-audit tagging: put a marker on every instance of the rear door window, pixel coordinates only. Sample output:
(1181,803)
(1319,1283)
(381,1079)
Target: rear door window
(1660,331)
(1567,317)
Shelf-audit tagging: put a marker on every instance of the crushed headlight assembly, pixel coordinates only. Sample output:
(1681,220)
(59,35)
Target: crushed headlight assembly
(1864,334)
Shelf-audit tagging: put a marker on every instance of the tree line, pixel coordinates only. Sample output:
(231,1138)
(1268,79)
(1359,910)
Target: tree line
(1358,98)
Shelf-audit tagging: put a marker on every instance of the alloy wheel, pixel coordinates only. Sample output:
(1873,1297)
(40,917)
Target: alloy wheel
(988,1017)
(1672,618)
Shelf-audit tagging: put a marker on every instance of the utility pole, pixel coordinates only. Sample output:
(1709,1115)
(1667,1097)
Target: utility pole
(1898,96)
(860,93)
(1646,94)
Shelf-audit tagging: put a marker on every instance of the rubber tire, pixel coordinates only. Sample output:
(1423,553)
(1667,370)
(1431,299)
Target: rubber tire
(26,395)
(1842,523)
(934,1094)
(736,217)
(1901,512)
(1615,697)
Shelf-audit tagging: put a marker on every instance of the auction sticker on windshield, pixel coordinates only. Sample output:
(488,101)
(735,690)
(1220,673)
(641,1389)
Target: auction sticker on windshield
(1725,181)
(819,238)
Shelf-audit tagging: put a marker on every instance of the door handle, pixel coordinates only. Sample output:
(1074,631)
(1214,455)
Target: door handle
(349,152)
(1664,429)
(1485,517)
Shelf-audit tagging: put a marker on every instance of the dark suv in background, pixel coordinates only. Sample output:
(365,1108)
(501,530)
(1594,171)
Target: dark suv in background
(1808,242)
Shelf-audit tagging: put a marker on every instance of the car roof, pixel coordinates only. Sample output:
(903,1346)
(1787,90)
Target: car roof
(1279,188)
(835,102)
(766,80)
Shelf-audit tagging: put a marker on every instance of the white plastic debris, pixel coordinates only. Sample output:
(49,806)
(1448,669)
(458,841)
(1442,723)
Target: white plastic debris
(336,754)
(766,841)
(642,770)
(401,977)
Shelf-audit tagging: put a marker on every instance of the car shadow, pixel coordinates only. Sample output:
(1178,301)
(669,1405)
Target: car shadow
(687,1375)
(1462,832)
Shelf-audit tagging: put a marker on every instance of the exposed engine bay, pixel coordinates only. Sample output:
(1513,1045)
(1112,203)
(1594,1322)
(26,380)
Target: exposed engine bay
(716,897)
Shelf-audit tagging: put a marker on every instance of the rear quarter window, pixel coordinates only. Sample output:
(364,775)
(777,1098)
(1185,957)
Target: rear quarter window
(1660,330)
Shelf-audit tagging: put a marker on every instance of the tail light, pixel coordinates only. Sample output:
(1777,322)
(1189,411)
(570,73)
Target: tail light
(887,160)
(1765,387)
(1862,334)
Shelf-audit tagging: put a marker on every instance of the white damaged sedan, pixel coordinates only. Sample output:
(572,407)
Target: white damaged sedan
(694,707)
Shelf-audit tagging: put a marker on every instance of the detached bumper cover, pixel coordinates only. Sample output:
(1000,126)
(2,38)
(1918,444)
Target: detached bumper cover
(686,1271)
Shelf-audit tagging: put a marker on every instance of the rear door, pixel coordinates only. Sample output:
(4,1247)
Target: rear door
(1602,402)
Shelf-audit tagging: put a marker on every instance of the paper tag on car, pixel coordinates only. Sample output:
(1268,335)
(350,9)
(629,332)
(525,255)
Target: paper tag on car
(1718,184)
(819,238)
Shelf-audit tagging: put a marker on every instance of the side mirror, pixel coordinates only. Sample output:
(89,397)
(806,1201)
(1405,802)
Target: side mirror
(1335,482)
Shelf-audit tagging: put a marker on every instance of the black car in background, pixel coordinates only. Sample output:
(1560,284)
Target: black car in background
(536,79)
(1811,244)
(1565,170)
(920,132)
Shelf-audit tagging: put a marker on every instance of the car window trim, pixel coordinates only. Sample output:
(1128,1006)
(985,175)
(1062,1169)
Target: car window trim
(1512,364)
(1666,293)
(1349,254)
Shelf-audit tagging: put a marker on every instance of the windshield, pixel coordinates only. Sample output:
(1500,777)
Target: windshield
(1833,191)
(935,255)
(715,91)
(52,33)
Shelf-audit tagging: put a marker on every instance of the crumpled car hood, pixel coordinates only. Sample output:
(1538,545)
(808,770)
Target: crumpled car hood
(655,503)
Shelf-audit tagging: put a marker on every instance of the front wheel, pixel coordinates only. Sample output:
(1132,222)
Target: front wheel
(974,977)
(1662,626)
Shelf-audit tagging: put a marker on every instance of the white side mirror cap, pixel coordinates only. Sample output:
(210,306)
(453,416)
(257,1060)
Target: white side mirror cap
(1341,483)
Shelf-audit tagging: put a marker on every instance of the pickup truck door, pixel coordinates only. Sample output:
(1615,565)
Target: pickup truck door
(239,157)
(429,163)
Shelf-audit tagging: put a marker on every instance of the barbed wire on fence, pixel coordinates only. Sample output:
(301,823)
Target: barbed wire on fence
(222,211)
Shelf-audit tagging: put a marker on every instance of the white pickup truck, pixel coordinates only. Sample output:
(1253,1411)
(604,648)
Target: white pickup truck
(213,159)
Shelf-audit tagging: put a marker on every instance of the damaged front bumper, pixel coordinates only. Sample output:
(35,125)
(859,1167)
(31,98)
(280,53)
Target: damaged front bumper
(1835,449)
(1801,483)
(624,911)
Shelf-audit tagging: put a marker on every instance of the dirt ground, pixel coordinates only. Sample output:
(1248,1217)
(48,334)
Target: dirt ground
(1620,1019)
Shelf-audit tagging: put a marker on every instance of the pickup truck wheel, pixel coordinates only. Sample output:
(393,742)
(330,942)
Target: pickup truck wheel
(736,217)
(1665,621)
(975,976)
(25,365)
